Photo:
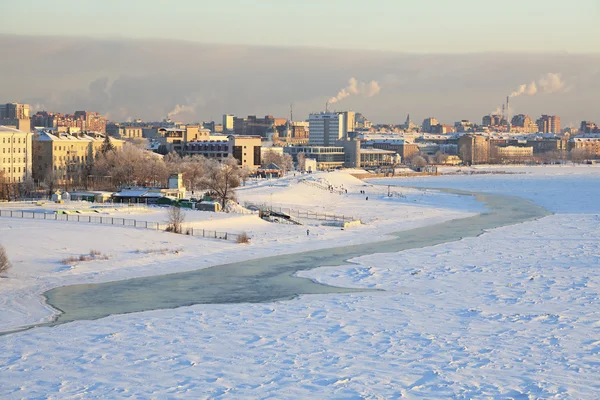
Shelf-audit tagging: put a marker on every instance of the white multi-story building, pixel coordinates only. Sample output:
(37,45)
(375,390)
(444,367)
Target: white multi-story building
(15,155)
(227,123)
(325,128)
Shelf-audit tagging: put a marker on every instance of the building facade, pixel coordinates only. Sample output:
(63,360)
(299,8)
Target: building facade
(474,149)
(253,126)
(65,157)
(245,149)
(511,154)
(325,128)
(228,123)
(15,155)
(124,131)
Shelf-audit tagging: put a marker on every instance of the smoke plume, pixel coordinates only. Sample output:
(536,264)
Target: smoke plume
(179,109)
(550,83)
(355,87)
(526,89)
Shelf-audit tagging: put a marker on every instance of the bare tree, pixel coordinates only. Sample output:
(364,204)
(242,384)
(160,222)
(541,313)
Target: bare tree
(192,168)
(283,160)
(417,160)
(176,217)
(4,261)
(131,166)
(440,158)
(50,181)
(244,174)
(301,157)
(222,178)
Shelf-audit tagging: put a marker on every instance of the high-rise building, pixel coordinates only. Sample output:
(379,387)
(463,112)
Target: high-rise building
(428,123)
(549,124)
(228,123)
(253,126)
(325,128)
(474,149)
(15,115)
(492,120)
(349,122)
(14,111)
(94,122)
(589,127)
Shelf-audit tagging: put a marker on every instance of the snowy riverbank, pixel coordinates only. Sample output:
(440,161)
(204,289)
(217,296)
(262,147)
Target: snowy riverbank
(508,314)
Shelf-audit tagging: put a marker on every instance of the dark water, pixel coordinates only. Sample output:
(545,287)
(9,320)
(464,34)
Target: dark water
(272,278)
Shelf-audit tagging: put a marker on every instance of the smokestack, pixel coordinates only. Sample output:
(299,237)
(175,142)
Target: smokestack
(507,111)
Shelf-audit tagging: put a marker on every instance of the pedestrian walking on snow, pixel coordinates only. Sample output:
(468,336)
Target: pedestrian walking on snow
(307,232)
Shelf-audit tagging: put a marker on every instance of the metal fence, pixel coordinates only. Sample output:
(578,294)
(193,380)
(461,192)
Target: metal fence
(304,213)
(322,186)
(132,223)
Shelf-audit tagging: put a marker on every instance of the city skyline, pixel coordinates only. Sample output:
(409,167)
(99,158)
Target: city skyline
(200,60)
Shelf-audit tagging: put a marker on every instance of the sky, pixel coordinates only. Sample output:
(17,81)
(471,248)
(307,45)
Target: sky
(199,59)
(388,25)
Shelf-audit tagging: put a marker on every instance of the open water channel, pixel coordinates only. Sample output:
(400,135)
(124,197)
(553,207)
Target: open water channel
(273,278)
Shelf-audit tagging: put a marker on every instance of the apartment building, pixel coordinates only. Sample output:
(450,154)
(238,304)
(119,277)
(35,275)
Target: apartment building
(245,149)
(474,149)
(508,154)
(548,124)
(15,155)
(124,131)
(65,156)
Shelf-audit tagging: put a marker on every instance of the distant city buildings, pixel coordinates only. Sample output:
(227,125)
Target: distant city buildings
(587,127)
(16,115)
(524,123)
(428,123)
(80,121)
(548,124)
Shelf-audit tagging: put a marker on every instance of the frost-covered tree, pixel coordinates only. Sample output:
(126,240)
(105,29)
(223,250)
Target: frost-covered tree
(221,179)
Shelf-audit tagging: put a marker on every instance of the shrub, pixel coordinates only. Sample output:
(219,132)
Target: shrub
(243,238)
(176,216)
(4,261)
(94,255)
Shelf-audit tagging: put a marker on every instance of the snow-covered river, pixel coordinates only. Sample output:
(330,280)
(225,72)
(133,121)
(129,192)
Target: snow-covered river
(273,278)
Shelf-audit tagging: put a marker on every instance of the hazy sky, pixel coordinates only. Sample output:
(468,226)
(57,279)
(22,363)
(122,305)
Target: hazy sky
(196,60)
(422,26)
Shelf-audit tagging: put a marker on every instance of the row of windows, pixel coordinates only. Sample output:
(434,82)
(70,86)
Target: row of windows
(14,179)
(17,150)
(73,158)
(207,147)
(14,160)
(15,170)
(4,140)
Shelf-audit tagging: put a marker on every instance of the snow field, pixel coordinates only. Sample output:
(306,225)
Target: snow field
(509,314)
(36,247)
